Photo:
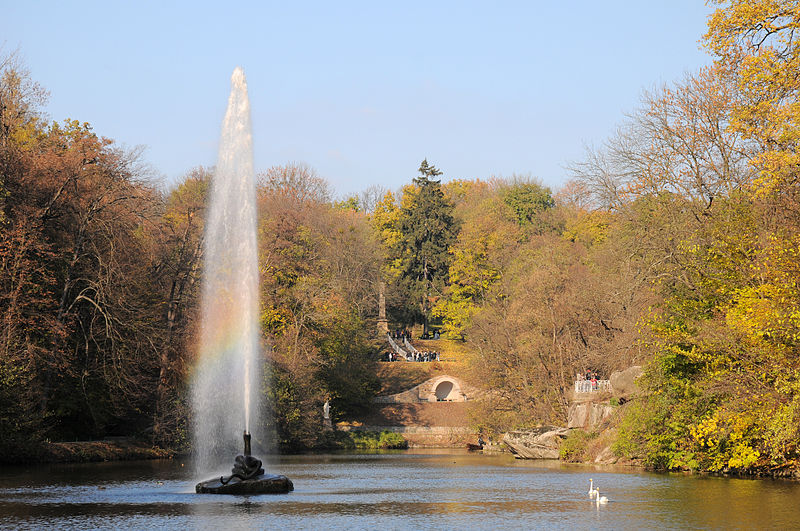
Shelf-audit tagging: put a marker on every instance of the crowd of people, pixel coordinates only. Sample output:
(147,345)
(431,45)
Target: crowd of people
(588,376)
(428,355)
(400,334)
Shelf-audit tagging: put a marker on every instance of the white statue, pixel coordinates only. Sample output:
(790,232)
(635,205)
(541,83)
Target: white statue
(326,409)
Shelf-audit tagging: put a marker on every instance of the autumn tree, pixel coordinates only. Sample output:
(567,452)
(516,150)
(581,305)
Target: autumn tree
(82,315)
(528,200)
(724,339)
(26,282)
(483,249)
(732,339)
(176,243)
(369,199)
(535,303)
(678,142)
(756,42)
(699,182)
(99,272)
(518,353)
(320,267)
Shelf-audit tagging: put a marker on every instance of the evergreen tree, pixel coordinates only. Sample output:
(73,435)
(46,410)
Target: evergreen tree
(426,170)
(428,229)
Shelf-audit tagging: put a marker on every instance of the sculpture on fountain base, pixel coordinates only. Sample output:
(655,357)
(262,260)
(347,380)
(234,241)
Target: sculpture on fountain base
(247,477)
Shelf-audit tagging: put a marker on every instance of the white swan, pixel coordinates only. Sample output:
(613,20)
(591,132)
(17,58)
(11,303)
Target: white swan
(600,499)
(592,494)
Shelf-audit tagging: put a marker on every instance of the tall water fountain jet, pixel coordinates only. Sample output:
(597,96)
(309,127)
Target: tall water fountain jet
(226,377)
(228,365)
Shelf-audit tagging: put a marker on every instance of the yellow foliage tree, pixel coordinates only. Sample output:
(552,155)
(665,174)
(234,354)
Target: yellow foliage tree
(385,220)
(756,41)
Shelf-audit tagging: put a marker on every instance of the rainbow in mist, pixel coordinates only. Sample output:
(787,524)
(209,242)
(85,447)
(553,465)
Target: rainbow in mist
(225,381)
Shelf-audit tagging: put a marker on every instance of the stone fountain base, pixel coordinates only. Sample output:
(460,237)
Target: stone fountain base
(263,484)
(247,477)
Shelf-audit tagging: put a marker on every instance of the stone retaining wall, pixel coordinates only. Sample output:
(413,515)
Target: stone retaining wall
(426,437)
(413,430)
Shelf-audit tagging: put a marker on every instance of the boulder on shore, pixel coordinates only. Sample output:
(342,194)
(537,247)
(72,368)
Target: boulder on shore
(538,443)
(624,382)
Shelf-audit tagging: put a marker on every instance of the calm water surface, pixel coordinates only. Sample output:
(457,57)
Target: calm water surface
(404,490)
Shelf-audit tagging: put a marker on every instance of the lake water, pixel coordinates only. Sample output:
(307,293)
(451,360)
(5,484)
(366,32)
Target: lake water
(415,489)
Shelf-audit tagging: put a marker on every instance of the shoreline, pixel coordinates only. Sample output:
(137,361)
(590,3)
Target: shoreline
(111,449)
(786,474)
(126,449)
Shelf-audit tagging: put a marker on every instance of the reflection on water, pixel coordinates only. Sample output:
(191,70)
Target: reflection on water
(396,490)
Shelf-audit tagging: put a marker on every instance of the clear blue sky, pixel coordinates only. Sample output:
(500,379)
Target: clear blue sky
(361,91)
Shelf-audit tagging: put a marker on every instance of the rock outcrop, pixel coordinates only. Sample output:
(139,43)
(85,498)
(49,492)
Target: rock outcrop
(538,443)
(623,383)
(588,415)
(606,456)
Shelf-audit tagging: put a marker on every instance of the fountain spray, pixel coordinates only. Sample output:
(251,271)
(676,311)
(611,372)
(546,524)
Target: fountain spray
(225,378)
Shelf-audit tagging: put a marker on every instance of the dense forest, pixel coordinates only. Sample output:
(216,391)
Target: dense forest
(674,245)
